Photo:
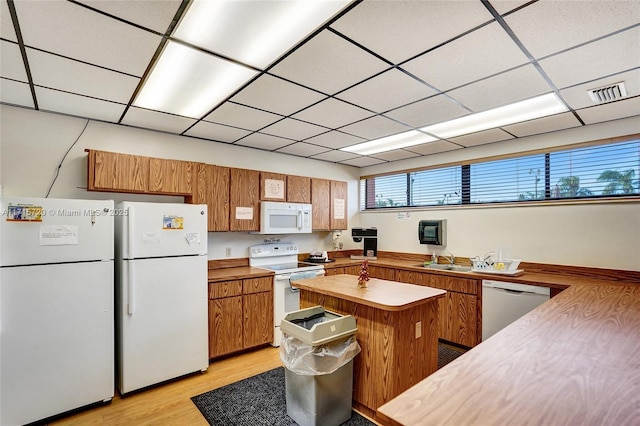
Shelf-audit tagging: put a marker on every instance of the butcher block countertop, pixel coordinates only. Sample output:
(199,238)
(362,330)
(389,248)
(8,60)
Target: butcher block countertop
(573,360)
(380,294)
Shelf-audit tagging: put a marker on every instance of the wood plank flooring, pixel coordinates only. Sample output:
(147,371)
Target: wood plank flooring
(170,403)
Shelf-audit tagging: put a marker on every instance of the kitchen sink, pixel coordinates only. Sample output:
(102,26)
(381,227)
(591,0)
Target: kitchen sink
(447,267)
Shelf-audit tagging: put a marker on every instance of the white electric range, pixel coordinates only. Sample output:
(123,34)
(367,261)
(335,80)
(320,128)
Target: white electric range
(282,258)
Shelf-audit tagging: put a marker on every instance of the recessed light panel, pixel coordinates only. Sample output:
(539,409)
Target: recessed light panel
(401,140)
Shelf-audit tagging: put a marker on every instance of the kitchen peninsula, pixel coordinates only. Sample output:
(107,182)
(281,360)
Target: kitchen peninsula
(397,331)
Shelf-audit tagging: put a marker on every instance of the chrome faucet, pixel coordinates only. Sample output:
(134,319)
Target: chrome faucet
(451,258)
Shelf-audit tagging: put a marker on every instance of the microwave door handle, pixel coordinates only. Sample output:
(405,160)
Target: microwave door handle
(299,219)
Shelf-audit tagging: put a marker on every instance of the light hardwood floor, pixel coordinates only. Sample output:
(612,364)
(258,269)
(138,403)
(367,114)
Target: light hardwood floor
(170,403)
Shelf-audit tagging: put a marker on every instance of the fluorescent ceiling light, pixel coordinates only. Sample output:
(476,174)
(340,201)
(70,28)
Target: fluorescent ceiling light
(401,140)
(253,32)
(518,112)
(188,82)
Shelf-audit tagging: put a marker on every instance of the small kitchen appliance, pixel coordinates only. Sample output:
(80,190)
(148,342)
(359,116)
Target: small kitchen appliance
(370,238)
(282,258)
(285,218)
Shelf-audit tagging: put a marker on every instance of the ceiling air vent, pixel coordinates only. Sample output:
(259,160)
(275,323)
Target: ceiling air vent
(608,93)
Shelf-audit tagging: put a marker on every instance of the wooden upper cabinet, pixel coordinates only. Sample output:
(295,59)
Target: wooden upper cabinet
(273,186)
(170,176)
(211,187)
(320,198)
(244,198)
(338,210)
(114,172)
(298,189)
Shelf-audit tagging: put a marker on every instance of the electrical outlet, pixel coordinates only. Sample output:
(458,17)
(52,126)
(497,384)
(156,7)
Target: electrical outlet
(227,252)
(418,329)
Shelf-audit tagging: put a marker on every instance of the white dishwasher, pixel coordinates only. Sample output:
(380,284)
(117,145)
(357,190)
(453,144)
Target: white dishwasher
(503,303)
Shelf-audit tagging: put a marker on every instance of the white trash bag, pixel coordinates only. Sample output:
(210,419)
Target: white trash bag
(307,360)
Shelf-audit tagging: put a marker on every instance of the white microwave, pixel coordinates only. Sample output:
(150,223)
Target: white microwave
(285,218)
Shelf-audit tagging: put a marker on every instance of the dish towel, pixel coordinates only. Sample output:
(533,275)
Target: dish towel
(295,276)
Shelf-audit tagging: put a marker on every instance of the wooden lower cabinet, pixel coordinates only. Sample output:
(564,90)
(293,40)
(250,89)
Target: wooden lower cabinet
(381,272)
(351,270)
(459,310)
(240,315)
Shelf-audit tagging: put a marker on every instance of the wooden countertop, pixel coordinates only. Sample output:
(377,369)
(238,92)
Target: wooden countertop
(573,360)
(379,294)
(237,273)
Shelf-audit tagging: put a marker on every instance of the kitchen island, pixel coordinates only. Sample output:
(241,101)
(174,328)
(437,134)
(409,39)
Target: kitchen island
(573,360)
(397,331)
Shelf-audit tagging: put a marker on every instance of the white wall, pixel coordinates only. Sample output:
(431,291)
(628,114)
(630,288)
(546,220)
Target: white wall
(598,235)
(33,143)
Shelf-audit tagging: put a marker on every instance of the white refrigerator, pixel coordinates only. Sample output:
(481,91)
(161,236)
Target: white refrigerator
(161,292)
(56,307)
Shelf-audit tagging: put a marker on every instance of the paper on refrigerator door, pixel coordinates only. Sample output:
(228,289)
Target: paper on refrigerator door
(58,235)
(192,237)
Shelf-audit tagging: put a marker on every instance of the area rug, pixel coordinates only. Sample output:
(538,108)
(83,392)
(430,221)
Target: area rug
(258,400)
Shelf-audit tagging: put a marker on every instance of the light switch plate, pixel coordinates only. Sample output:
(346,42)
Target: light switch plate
(418,329)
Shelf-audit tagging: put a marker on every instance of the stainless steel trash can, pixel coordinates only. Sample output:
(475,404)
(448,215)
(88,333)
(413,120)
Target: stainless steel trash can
(317,349)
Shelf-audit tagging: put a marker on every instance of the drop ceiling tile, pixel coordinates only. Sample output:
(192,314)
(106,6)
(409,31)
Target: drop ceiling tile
(374,128)
(334,156)
(429,111)
(155,120)
(302,149)
(611,111)
(569,23)
(231,114)
(216,132)
(433,147)
(15,93)
(59,73)
(67,29)
(595,60)
(362,161)
(516,85)
(400,30)
(505,6)
(332,113)
(262,141)
(386,91)
(543,125)
(81,106)
(335,139)
(152,14)
(329,64)
(11,61)
(577,96)
(397,154)
(481,138)
(6,24)
(484,52)
(277,95)
(294,129)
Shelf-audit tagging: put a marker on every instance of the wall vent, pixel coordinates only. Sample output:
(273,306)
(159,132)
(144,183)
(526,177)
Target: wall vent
(608,93)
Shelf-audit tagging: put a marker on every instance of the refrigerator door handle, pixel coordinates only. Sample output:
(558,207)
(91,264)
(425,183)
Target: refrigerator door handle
(130,231)
(131,305)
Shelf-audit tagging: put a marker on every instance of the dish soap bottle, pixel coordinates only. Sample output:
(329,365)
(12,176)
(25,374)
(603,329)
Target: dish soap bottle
(434,258)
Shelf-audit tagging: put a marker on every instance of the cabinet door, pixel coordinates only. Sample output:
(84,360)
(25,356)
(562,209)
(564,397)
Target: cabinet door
(338,217)
(334,271)
(273,186)
(381,272)
(458,313)
(211,187)
(258,318)
(110,171)
(225,326)
(257,285)
(244,200)
(320,196)
(170,176)
(298,189)
(352,270)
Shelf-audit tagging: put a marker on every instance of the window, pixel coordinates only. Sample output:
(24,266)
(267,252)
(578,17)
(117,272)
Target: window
(597,171)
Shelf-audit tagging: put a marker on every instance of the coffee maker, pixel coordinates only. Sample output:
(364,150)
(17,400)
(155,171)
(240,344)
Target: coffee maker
(370,238)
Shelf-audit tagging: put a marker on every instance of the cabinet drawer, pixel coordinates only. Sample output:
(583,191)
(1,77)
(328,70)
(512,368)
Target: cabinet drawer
(225,289)
(257,285)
